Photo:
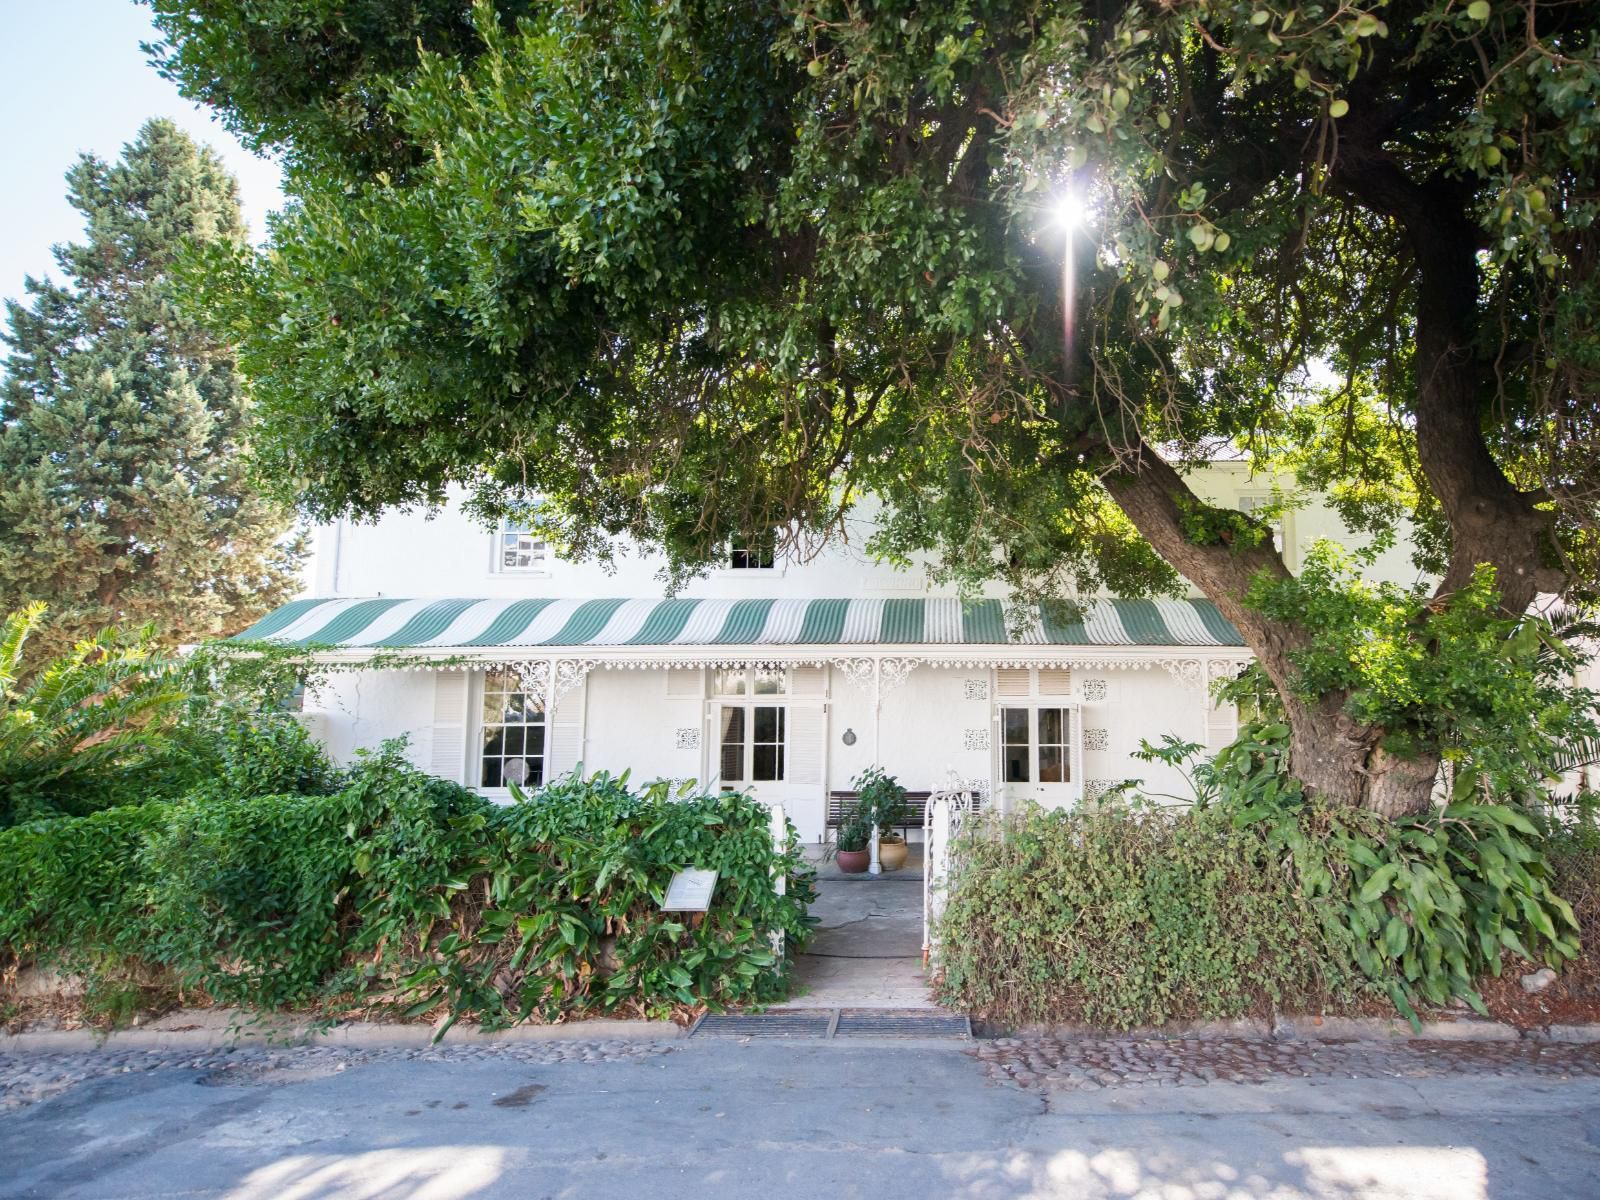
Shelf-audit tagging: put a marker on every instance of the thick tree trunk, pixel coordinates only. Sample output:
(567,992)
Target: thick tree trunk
(1334,756)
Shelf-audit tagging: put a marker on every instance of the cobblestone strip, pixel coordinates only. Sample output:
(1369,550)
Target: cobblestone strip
(31,1077)
(1052,1064)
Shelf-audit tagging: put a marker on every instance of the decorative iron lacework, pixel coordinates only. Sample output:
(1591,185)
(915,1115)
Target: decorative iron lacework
(1093,789)
(1094,690)
(1096,739)
(975,739)
(688,738)
(974,689)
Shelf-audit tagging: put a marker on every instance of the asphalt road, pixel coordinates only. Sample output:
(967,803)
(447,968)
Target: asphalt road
(764,1119)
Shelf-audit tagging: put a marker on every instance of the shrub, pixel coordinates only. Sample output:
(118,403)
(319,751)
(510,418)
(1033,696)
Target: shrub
(1130,914)
(408,892)
(84,731)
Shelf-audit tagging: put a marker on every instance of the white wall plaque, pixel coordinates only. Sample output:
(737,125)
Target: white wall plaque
(690,891)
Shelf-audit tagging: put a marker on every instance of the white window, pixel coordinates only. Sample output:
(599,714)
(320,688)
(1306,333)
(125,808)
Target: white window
(753,733)
(513,734)
(1037,744)
(519,549)
(1252,503)
(757,554)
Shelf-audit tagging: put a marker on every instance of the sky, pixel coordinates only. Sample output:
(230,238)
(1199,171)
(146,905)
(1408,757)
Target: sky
(74,81)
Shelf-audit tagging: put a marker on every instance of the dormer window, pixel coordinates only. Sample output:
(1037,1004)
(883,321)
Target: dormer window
(520,550)
(753,554)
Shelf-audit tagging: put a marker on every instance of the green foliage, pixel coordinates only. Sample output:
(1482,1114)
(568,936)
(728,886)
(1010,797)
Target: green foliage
(854,832)
(1129,914)
(1424,906)
(516,217)
(413,894)
(1491,693)
(92,728)
(123,496)
(880,799)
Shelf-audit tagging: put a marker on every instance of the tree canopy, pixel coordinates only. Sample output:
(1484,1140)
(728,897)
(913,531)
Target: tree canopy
(123,494)
(688,269)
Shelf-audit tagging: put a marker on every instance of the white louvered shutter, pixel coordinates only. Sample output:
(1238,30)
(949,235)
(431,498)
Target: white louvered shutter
(1222,725)
(807,681)
(803,755)
(564,735)
(684,683)
(1012,682)
(447,755)
(1055,681)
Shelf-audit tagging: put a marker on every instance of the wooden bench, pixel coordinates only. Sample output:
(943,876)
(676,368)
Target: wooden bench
(916,804)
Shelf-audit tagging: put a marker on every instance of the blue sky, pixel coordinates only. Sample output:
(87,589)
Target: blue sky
(75,81)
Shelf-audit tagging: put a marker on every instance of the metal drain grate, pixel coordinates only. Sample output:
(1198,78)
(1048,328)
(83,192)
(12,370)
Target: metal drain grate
(825,1023)
(813,1023)
(912,1023)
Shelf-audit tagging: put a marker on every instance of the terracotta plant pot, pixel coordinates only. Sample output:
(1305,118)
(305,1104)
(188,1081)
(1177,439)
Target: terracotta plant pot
(892,851)
(853,862)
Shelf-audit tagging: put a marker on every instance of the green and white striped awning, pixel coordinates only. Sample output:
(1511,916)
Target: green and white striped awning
(483,624)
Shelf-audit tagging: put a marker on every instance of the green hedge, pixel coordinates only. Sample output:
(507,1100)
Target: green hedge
(1130,915)
(405,892)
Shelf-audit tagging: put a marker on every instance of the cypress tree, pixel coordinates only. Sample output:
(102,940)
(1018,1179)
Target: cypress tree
(124,497)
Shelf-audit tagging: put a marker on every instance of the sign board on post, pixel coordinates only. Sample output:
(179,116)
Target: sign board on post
(690,891)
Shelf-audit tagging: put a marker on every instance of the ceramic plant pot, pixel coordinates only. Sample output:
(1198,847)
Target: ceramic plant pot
(853,862)
(892,851)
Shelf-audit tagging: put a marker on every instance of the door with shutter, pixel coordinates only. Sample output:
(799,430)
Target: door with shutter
(769,736)
(1038,736)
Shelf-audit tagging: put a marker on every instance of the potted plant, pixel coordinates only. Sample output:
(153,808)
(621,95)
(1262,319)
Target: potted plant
(852,843)
(882,803)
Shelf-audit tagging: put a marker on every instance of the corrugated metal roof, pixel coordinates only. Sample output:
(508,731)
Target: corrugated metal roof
(480,624)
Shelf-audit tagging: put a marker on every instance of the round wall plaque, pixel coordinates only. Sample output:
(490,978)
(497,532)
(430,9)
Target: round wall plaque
(849,737)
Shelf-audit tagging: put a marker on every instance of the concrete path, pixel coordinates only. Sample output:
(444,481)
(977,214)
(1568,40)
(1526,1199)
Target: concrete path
(720,1120)
(867,951)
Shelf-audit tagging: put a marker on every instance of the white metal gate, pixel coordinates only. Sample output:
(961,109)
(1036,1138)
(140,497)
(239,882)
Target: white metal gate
(942,821)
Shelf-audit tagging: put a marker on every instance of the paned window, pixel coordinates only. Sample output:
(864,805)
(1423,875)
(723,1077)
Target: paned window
(1254,504)
(513,734)
(520,549)
(753,743)
(1037,744)
(753,554)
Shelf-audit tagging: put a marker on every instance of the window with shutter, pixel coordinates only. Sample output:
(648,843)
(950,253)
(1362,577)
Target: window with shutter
(447,755)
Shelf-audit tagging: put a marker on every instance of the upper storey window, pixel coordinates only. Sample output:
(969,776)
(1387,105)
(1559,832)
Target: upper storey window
(1255,503)
(753,554)
(519,549)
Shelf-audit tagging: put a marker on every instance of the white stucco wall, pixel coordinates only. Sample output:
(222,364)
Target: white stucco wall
(421,555)
(629,720)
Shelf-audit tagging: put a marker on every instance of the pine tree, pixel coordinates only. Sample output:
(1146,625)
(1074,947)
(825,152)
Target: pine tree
(124,497)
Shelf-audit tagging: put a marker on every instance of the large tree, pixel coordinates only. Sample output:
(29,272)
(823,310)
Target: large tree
(123,493)
(689,268)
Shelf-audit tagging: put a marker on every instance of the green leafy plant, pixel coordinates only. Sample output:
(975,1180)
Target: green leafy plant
(408,893)
(854,832)
(880,799)
(1131,914)
(86,730)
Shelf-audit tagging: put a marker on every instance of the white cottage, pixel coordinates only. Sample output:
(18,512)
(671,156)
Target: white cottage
(502,663)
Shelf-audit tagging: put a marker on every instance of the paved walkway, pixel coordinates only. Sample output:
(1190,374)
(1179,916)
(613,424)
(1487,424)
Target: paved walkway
(867,951)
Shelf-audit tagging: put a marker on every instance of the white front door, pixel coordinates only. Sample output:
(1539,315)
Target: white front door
(1037,753)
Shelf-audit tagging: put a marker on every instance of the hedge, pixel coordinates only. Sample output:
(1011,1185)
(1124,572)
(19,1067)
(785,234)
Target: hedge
(404,893)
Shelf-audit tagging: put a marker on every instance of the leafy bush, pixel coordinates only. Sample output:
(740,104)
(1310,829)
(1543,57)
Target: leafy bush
(880,798)
(408,892)
(1572,846)
(84,731)
(1130,914)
